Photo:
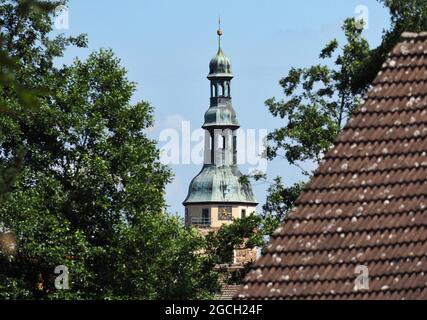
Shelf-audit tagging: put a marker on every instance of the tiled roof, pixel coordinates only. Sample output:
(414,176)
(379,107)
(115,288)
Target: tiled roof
(367,202)
(227,292)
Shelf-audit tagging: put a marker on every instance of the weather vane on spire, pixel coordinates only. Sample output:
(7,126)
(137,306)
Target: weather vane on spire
(219,32)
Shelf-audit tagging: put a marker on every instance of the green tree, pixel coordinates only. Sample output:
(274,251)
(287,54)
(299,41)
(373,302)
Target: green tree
(10,84)
(405,16)
(320,99)
(90,197)
(89,194)
(242,232)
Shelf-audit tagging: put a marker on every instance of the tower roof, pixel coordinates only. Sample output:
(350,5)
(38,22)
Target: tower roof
(220,184)
(220,65)
(222,115)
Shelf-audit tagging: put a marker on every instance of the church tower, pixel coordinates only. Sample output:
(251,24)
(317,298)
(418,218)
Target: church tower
(217,195)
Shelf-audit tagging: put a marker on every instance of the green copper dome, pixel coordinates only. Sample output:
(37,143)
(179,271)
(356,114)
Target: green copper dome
(220,66)
(219,184)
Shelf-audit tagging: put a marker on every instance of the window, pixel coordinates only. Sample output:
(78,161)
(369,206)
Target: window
(243,213)
(225,213)
(212,90)
(221,142)
(226,89)
(206,217)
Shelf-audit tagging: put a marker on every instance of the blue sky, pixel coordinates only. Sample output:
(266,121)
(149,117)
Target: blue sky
(166,47)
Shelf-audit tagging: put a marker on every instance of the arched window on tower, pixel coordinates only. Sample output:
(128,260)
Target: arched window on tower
(212,147)
(222,90)
(221,142)
(228,89)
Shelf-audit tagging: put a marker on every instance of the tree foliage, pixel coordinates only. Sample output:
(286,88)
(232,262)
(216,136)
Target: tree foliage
(10,84)
(245,232)
(280,200)
(90,189)
(319,99)
(405,16)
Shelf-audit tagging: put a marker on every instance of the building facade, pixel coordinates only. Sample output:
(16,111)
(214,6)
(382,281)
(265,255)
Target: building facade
(217,195)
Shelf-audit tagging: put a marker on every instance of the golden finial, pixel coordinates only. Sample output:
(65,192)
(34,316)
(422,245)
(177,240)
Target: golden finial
(219,32)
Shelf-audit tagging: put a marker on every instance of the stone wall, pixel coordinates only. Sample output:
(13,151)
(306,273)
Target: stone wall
(243,256)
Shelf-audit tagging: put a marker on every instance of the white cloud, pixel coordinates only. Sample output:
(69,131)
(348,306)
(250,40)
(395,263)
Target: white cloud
(173,121)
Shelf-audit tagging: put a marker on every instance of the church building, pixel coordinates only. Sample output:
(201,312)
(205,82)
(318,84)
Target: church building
(217,195)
